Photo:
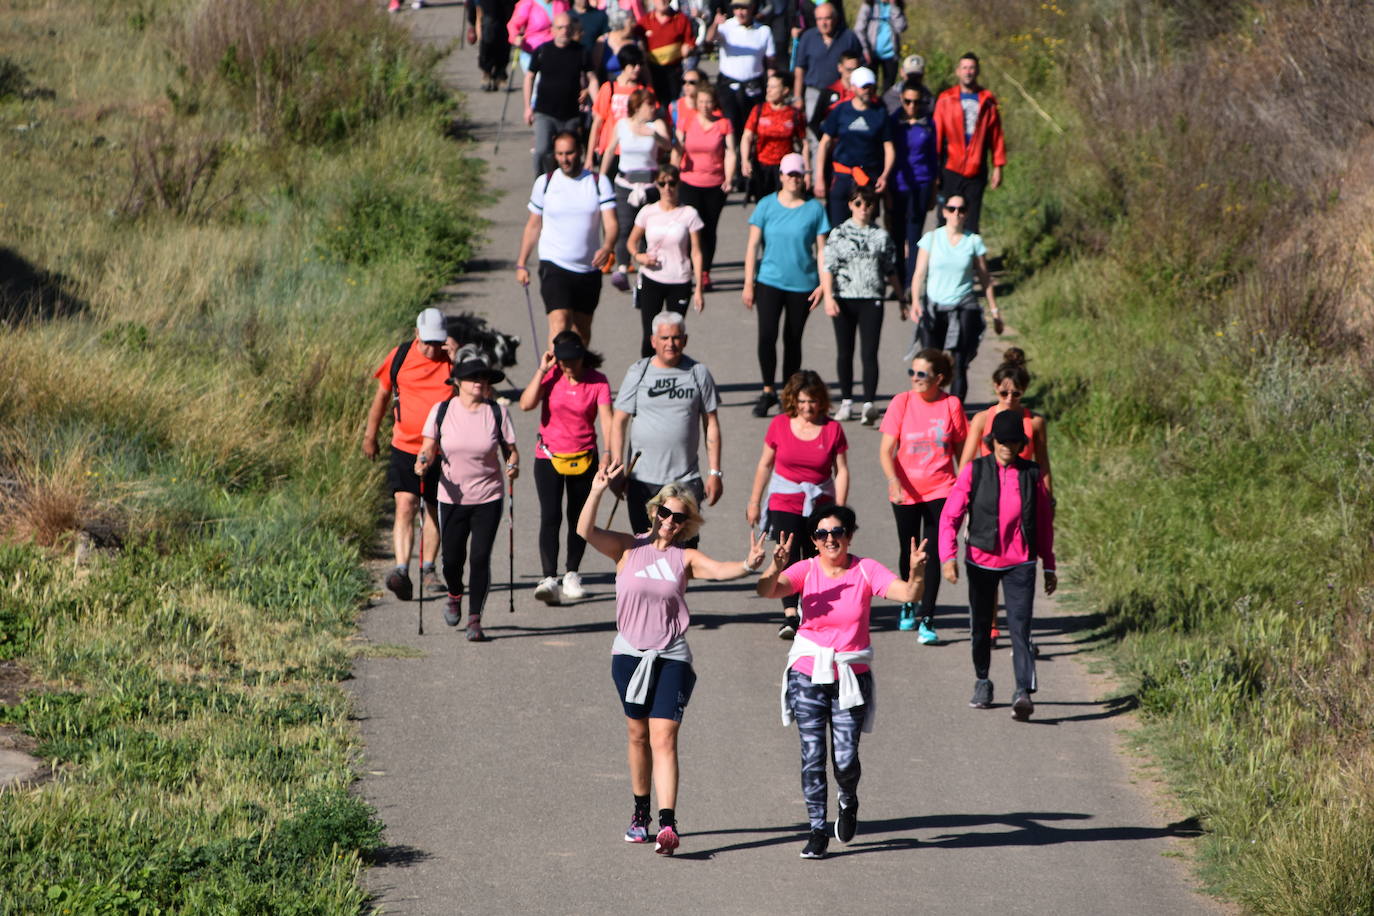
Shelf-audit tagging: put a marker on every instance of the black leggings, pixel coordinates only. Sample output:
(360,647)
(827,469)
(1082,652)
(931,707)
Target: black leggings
(803,547)
(456,525)
(866,315)
(708,203)
(551,485)
(773,304)
(971,326)
(909,525)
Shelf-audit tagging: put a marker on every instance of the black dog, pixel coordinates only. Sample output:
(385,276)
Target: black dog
(467,328)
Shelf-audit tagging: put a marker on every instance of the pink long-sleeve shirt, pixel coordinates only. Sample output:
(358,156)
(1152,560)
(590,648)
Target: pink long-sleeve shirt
(1013,550)
(529,17)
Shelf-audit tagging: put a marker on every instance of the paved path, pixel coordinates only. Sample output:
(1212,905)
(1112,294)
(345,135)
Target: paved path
(499,769)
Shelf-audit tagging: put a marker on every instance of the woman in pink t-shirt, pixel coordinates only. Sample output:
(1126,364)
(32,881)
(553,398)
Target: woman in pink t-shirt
(829,684)
(923,434)
(651,662)
(670,266)
(802,468)
(469,433)
(571,396)
(706,155)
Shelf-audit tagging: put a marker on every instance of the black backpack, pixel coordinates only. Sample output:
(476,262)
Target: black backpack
(496,415)
(396,362)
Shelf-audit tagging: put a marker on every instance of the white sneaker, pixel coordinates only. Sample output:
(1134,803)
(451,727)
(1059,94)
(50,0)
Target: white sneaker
(869,415)
(572,585)
(417,4)
(845,411)
(547,591)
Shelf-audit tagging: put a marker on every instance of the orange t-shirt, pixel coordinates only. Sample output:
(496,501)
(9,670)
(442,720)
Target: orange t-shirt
(423,383)
(1027,420)
(612,102)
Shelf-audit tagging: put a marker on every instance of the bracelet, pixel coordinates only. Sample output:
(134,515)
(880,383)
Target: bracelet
(748,568)
(512,467)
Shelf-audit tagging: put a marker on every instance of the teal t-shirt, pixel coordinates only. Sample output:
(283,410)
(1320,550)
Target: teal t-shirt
(789,243)
(949,279)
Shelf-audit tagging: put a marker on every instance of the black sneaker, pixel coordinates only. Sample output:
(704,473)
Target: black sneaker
(847,822)
(767,400)
(399,584)
(788,628)
(474,632)
(1021,706)
(816,845)
(982,694)
(453,611)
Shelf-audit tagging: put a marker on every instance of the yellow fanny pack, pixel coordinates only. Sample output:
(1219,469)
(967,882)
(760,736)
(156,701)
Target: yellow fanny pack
(568,463)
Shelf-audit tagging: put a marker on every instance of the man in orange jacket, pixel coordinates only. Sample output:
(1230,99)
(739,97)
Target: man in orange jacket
(968,129)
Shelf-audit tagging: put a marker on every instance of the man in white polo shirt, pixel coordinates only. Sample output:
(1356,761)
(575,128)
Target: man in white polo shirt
(567,206)
(746,52)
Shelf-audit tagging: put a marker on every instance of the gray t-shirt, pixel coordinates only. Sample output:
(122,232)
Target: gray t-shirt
(667,406)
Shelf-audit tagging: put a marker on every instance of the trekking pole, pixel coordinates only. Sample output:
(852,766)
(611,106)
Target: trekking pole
(616,505)
(510,81)
(462,33)
(534,330)
(510,541)
(423,462)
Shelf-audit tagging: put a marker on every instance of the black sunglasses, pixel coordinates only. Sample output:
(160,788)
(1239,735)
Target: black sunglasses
(920,373)
(679,518)
(689,82)
(910,101)
(1010,393)
(822,534)
(956,209)
(666,184)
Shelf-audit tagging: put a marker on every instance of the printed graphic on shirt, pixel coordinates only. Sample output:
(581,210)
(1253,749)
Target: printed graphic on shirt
(659,570)
(669,387)
(969,101)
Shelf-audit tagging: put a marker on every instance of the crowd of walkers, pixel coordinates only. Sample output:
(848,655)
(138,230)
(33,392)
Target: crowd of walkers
(843,152)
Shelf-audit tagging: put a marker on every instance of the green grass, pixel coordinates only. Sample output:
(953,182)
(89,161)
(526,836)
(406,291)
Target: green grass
(184,391)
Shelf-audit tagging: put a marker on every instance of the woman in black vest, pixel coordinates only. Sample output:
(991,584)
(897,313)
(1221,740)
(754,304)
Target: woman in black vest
(1011,525)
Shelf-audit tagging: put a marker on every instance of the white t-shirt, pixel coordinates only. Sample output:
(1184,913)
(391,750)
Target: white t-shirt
(571,208)
(667,237)
(742,50)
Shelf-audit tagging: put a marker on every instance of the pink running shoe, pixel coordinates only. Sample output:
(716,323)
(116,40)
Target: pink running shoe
(666,841)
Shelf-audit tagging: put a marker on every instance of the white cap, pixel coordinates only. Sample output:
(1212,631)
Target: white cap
(791,164)
(914,63)
(432,325)
(862,77)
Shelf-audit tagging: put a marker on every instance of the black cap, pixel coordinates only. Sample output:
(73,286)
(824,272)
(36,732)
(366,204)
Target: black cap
(1007,427)
(476,368)
(570,349)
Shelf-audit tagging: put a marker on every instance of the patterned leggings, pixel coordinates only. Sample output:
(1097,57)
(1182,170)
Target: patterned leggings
(815,706)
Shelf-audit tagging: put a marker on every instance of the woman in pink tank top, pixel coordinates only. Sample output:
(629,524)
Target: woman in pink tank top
(651,663)
(1010,381)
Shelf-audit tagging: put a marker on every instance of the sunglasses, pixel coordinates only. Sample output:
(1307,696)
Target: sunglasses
(910,101)
(666,184)
(920,373)
(824,534)
(689,82)
(793,175)
(1008,393)
(679,518)
(956,209)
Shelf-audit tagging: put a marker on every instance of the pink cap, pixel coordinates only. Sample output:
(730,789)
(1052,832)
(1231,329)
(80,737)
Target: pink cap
(791,163)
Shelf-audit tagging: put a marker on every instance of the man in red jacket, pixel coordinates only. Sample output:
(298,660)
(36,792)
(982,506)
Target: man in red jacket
(968,129)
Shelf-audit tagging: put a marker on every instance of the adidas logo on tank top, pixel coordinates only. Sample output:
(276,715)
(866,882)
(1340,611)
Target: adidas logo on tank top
(659,569)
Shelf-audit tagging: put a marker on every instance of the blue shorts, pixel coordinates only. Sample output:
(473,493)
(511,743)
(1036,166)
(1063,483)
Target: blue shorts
(670,687)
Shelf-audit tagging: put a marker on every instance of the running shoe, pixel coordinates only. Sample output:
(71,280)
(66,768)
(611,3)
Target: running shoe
(906,618)
(1021,706)
(394,6)
(474,633)
(399,583)
(816,845)
(788,628)
(982,694)
(847,822)
(845,411)
(767,400)
(870,414)
(925,633)
(572,585)
(453,611)
(706,285)
(417,4)
(429,580)
(547,591)
(638,831)
(994,636)
(666,841)
(620,280)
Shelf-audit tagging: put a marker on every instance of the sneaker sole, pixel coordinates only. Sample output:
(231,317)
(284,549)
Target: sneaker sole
(1021,712)
(664,849)
(931,641)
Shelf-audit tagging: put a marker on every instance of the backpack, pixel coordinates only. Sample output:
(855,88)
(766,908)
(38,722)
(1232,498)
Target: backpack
(496,415)
(396,362)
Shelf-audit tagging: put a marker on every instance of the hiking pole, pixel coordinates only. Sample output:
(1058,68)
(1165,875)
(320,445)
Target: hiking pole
(534,330)
(510,541)
(616,505)
(463,31)
(423,462)
(510,81)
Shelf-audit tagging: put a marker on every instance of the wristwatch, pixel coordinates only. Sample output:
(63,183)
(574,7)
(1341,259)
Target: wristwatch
(716,473)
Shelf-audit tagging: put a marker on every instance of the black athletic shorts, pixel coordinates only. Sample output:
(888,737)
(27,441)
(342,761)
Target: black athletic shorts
(670,687)
(401,476)
(566,289)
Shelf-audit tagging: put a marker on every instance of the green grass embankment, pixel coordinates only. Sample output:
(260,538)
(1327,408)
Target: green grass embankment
(1187,228)
(212,216)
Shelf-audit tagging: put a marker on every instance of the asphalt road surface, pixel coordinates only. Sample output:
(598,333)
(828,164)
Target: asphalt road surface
(499,768)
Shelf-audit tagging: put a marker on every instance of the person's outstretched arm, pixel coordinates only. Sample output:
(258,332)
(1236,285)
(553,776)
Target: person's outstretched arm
(700,566)
(611,543)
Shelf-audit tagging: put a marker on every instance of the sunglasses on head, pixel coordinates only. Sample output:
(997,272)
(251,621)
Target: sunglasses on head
(822,534)
(920,373)
(679,518)
(956,209)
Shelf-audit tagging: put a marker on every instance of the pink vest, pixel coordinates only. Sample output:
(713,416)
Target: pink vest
(650,604)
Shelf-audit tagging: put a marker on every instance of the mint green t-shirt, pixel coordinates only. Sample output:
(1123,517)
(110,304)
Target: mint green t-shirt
(949,279)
